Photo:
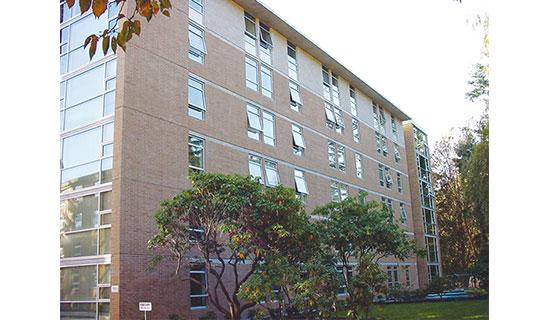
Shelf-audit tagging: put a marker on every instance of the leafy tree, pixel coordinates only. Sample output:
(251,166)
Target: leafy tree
(240,221)
(354,231)
(110,37)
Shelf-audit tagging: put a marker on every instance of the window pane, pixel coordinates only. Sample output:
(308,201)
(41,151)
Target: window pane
(254,118)
(84,113)
(200,287)
(79,213)
(251,74)
(78,284)
(329,113)
(255,167)
(196,38)
(105,241)
(196,152)
(266,82)
(271,172)
(265,36)
(300,181)
(104,273)
(80,177)
(298,139)
(196,97)
(85,86)
(80,311)
(295,96)
(109,103)
(78,244)
(268,129)
(82,147)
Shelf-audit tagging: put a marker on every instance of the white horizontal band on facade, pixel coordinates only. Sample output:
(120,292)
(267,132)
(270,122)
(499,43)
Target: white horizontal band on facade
(85,261)
(234,94)
(87,191)
(290,165)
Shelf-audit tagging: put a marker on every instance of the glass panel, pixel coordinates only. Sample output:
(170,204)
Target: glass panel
(78,244)
(254,118)
(195,152)
(109,103)
(85,86)
(107,170)
(196,38)
(84,113)
(80,177)
(271,173)
(78,311)
(196,97)
(106,219)
(80,56)
(81,29)
(255,167)
(298,139)
(104,292)
(198,301)
(105,200)
(78,284)
(108,150)
(104,273)
(251,74)
(195,113)
(82,147)
(266,82)
(269,130)
(79,213)
(110,68)
(103,311)
(108,132)
(105,241)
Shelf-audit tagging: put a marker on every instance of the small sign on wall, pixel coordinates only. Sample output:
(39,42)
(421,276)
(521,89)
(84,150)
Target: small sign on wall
(145,306)
(114,289)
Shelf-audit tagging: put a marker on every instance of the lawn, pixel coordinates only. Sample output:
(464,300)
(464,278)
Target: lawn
(450,310)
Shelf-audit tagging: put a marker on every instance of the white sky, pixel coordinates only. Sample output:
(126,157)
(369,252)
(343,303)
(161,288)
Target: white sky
(416,53)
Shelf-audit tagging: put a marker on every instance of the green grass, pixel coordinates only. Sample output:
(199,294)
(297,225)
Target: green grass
(450,310)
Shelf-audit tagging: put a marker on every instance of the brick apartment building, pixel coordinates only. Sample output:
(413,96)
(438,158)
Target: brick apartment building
(222,86)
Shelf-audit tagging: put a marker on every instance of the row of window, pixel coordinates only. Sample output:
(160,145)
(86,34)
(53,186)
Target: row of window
(388,203)
(393,276)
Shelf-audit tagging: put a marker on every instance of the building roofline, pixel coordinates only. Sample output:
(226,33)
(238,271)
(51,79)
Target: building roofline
(268,16)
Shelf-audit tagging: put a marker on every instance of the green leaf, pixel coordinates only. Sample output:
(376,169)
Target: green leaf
(105,44)
(93,46)
(121,40)
(84,5)
(99,7)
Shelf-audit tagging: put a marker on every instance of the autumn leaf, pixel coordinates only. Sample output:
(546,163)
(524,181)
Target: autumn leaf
(99,7)
(137,27)
(84,5)
(70,3)
(105,44)
(93,46)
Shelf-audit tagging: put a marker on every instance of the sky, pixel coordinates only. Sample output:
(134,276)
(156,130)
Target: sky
(418,54)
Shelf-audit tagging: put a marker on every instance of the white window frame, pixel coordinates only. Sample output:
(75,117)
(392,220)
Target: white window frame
(393,276)
(199,85)
(259,132)
(255,83)
(358,166)
(194,15)
(298,142)
(199,53)
(399,183)
(295,99)
(353,101)
(292,66)
(355,129)
(257,161)
(201,146)
(402,213)
(300,182)
(342,191)
(397,154)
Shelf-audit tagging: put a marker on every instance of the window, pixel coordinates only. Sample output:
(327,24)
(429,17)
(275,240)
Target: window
(298,140)
(381,174)
(382,121)
(266,44)
(251,70)
(402,213)
(338,191)
(341,158)
(256,171)
(271,174)
(332,160)
(375,116)
(423,166)
(341,280)
(396,153)
(334,118)
(88,96)
(251,76)
(384,146)
(295,100)
(388,204)
(399,183)
(429,221)
(196,154)
(355,128)
(261,125)
(431,248)
(255,167)
(267,85)
(331,90)
(358,166)
(393,276)
(292,62)
(408,277)
(198,286)
(394,128)
(378,143)
(197,48)
(196,11)
(433,272)
(426,194)
(353,101)
(250,34)
(86,159)
(300,183)
(389,179)
(196,99)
